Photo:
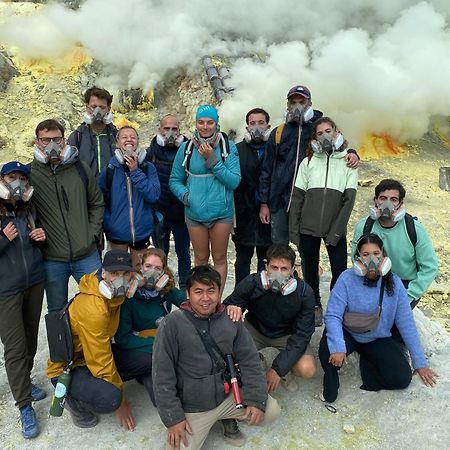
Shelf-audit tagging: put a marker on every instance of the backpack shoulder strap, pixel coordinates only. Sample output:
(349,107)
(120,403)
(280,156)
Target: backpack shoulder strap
(279,133)
(187,154)
(110,169)
(411,229)
(82,173)
(368,225)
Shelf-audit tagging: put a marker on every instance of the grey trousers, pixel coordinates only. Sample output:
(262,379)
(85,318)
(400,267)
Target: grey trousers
(19,326)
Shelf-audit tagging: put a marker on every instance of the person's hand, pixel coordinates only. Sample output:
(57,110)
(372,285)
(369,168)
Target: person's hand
(10,231)
(253,415)
(273,380)
(125,416)
(177,433)
(235,313)
(352,160)
(131,162)
(427,376)
(205,150)
(337,359)
(38,235)
(264,213)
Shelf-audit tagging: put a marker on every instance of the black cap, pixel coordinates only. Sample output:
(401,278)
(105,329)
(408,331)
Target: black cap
(117,260)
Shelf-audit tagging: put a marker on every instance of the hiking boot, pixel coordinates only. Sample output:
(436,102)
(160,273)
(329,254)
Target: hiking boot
(318,316)
(290,383)
(30,427)
(231,433)
(37,393)
(81,417)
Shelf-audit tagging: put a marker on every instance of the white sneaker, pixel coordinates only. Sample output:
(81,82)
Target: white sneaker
(290,383)
(330,406)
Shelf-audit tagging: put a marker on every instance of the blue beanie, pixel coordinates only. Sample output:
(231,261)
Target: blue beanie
(207,111)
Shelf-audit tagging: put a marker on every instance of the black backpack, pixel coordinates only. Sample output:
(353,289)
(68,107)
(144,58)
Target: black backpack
(410,228)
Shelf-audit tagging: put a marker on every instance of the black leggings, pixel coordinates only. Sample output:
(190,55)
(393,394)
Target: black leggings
(310,253)
(382,364)
(244,254)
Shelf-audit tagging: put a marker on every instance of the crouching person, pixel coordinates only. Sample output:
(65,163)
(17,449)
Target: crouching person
(189,370)
(96,386)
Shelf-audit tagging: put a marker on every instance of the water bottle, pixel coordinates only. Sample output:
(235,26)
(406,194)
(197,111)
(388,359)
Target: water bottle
(61,390)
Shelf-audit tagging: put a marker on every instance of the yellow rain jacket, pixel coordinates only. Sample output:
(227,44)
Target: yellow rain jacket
(94,320)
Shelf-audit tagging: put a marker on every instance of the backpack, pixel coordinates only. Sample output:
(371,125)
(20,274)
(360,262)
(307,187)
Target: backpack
(279,133)
(410,228)
(59,334)
(224,144)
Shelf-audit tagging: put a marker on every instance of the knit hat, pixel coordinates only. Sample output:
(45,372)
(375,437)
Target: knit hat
(208,111)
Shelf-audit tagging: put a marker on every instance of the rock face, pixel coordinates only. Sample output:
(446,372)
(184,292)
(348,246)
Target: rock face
(7,71)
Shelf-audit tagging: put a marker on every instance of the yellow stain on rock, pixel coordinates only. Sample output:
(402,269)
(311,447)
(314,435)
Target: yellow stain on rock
(71,63)
(376,146)
(121,121)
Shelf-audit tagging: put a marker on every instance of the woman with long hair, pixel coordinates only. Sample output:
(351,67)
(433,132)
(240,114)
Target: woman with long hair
(204,175)
(365,303)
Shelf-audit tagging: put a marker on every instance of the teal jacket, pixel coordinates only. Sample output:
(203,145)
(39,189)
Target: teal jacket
(417,265)
(140,313)
(209,184)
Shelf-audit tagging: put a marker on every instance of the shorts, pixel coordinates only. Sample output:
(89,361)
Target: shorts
(140,245)
(262,341)
(195,223)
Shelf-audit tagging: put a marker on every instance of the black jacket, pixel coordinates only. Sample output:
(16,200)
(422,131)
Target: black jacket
(162,158)
(275,315)
(88,144)
(21,262)
(184,376)
(278,169)
(249,229)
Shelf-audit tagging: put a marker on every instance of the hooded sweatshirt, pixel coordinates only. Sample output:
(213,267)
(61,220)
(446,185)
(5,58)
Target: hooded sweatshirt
(93,320)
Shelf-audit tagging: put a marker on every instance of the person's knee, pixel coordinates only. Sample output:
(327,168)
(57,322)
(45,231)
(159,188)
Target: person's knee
(107,401)
(272,412)
(400,379)
(305,367)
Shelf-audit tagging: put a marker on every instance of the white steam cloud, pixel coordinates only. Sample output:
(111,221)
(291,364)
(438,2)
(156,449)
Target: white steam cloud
(374,67)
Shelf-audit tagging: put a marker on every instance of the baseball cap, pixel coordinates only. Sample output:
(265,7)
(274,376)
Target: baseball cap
(15,166)
(300,90)
(117,260)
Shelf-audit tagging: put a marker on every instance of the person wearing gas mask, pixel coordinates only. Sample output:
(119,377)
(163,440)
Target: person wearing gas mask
(322,201)
(97,383)
(280,314)
(405,239)
(204,175)
(161,154)
(250,232)
(130,186)
(141,315)
(365,303)
(69,204)
(21,288)
(286,149)
(95,138)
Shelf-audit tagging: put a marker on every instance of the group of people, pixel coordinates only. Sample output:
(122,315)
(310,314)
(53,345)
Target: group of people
(296,183)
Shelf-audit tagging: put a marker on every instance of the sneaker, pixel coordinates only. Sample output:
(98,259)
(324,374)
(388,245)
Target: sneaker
(290,383)
(328,405)
(30,427)
(37,393)
(81,417)
(231,433)
(318,316)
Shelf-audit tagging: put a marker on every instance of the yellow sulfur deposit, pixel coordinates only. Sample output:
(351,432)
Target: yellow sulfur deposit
(376,146)
(121,121)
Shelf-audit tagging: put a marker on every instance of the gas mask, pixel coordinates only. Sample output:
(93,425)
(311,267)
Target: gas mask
(171,139)
(98,115)
(53,154)
(16,190)
(140,155)
(372,266)
(387,210)
(328,144)
(277,282)
(155,279)
(257,135)
(298,113)
(117,288)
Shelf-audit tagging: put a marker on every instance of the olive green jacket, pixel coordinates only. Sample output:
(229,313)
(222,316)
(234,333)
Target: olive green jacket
(70,209)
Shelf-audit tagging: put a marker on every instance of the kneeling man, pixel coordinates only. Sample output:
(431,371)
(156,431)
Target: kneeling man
(189,371)
(280,315)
